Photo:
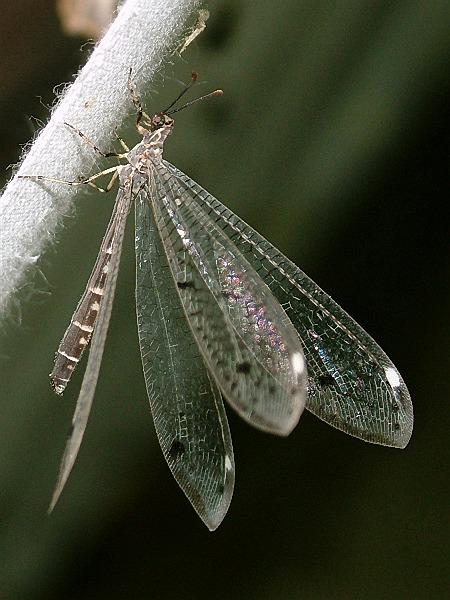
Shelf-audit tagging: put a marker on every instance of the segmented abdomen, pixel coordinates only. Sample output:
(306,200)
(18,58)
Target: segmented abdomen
(79,332)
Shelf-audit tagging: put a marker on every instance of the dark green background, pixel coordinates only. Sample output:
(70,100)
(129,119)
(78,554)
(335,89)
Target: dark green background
(332,140)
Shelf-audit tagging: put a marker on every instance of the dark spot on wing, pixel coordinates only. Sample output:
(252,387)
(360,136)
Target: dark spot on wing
(326,380)
(243,367)
(182,285)
(176,450)
(397,426)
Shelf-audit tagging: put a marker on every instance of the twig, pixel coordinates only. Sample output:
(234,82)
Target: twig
(142,35)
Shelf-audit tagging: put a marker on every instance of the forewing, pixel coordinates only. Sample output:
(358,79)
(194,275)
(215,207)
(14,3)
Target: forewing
(87,390)
(187,408)
(244,335)
(353,385)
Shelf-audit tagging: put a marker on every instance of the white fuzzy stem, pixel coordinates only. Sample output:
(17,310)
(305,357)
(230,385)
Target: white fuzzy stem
(141,37)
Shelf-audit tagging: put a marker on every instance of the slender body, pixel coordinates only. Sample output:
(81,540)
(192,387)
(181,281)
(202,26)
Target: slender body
(79,332)
(221,313)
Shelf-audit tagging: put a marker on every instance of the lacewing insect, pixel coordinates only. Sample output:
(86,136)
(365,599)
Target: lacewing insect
(221,313)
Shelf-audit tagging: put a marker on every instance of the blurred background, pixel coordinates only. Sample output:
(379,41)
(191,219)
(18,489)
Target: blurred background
(332,140)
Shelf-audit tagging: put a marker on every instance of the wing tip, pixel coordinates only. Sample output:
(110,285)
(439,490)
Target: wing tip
(213,518)
(55,497)
(404,440)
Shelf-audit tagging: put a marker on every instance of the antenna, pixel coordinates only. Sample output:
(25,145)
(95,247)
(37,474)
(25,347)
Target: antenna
(210,95)
(187,87)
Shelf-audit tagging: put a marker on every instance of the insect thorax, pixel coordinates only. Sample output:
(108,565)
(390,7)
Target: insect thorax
(150,148)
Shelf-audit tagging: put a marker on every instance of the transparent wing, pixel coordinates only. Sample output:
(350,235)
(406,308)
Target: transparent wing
(353,385)
(244,335)
(186,405)
(87,390)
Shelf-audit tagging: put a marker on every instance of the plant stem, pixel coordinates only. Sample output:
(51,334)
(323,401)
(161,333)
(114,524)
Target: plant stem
(141,37)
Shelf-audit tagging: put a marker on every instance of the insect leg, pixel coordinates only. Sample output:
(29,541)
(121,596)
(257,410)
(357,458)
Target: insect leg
(88,141)
(121,142)
(136,99)
(88,181)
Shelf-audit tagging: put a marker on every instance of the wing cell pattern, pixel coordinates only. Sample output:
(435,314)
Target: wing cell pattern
(352,385)
(245,337)
(115,231)
(186,404)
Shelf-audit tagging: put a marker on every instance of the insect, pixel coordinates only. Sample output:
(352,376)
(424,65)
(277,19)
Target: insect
(221,313)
